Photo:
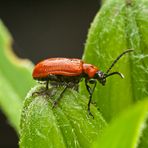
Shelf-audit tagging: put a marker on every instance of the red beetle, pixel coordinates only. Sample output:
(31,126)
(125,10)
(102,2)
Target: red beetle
(69,72)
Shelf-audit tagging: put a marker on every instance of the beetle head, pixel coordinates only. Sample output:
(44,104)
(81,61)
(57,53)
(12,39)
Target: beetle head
(101,77)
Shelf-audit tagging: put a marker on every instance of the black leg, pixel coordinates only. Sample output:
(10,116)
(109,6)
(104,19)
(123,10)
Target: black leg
(57,100)
(47,84)
(90,91)
(42,92)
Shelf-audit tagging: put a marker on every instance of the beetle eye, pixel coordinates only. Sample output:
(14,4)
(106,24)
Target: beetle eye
(100,74)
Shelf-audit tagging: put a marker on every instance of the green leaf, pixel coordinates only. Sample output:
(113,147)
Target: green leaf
(119,25)
(15,79)
(127,130)
(66,125)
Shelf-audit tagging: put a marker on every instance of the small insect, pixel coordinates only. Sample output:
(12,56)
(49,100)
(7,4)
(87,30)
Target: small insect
(69,72)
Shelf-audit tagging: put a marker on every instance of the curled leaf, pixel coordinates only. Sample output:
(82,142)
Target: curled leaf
(66,125)
(119,25)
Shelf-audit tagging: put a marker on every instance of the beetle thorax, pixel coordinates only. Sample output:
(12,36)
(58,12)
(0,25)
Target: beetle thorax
(90,70)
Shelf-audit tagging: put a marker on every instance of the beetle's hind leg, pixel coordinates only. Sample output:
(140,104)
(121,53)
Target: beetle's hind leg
(43,91)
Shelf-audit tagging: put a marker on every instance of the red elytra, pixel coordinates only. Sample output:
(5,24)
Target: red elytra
(71,71)
(63,66)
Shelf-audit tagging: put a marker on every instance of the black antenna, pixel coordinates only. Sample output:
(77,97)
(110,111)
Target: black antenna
(113,73)
(115,61)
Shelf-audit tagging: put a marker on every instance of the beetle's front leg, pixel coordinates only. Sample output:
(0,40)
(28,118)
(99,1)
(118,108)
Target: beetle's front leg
(90,91)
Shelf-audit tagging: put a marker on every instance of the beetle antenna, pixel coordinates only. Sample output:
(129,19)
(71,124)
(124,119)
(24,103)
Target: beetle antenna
(113,73)
(115,61)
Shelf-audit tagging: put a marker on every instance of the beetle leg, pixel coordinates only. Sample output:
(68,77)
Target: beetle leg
(90,91)
(42,92)
(47,82)
(55,102)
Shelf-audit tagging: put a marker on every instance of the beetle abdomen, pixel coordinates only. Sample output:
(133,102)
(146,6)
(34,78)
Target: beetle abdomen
(58,66)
